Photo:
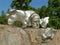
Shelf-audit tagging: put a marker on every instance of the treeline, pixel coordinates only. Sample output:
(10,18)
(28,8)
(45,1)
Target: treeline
(52,10)
(3,19)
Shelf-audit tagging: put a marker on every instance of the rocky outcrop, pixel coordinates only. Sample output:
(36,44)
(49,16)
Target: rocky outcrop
(11,35)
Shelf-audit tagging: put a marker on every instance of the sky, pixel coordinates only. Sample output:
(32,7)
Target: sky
(5,4)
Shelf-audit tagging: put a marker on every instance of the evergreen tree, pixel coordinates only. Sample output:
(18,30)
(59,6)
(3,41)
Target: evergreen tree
(3,19)
(2,13)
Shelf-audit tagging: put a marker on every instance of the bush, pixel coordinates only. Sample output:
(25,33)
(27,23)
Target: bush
(3,20)
(17,23)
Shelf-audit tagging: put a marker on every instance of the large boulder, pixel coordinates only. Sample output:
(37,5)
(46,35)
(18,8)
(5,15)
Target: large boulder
(13,36)
(10,35)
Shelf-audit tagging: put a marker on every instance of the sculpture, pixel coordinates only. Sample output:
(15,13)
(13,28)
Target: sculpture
(26,17)
(30,18)
(35,19)
(44,22)
(48,33)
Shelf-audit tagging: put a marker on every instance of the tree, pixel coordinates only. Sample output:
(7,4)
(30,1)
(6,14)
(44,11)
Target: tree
(3,13)
(54,22)
(55,4)
(50,3)
(49,11)
(8,10)
(42,11)
(54,9)
(20,4)
(3,19)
